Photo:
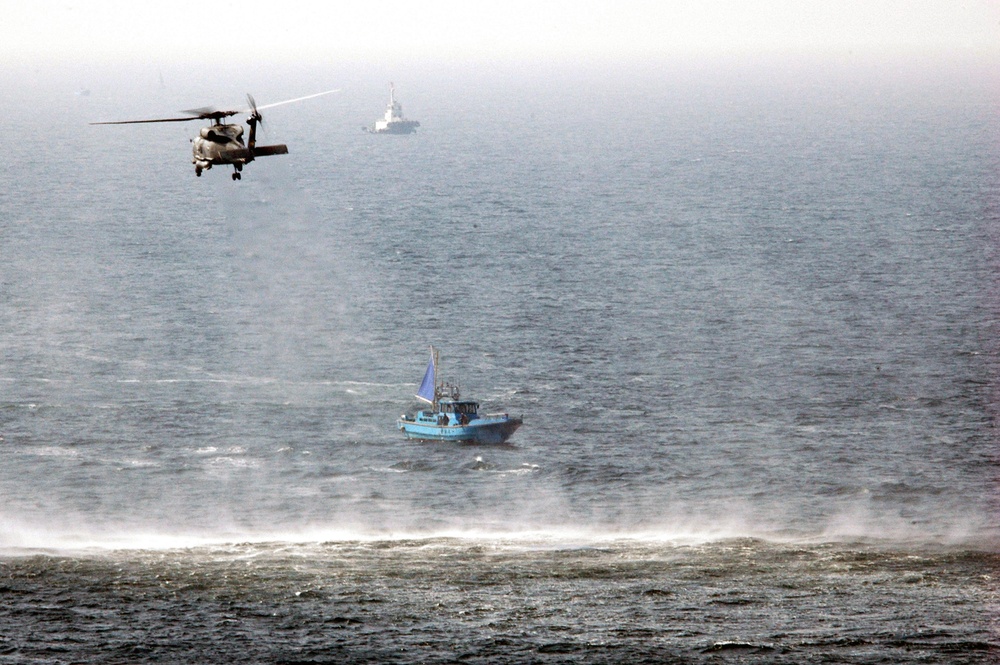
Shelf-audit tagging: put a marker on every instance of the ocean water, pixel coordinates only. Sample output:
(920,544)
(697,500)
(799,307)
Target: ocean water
(749,317)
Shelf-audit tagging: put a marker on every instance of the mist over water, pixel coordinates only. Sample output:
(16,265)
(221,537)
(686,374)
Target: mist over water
(750,328)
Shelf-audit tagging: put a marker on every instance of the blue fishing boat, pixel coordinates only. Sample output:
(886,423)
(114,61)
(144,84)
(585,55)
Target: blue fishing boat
(451,418)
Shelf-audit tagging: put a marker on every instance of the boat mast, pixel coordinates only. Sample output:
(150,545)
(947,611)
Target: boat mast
(434,360)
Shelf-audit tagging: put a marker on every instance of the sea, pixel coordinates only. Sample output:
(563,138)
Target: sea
(747,309)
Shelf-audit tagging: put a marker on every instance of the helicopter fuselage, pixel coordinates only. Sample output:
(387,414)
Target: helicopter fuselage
(219,144)
(223,144)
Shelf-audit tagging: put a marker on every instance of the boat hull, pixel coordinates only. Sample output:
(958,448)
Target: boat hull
(395,127)
(480,430)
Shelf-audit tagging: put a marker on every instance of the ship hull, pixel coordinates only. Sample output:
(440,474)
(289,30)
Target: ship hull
(480,430)
(396,127)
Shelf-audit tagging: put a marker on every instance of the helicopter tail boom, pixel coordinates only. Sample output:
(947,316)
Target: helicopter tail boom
(249,154)
(267,150)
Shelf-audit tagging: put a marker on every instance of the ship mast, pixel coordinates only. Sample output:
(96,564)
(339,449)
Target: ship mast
(438,384)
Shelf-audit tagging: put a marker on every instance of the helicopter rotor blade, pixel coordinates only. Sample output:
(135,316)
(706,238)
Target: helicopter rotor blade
(201,111)
(210,113)
(297,99)
(139,122)
(215,115)
(206,113)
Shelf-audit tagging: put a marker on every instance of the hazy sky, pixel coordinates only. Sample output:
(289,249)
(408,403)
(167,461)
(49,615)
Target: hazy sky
(182,30)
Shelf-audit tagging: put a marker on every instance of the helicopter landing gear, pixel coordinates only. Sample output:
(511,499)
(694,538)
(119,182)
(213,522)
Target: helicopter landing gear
(197,171)
(237,176)
(236,172)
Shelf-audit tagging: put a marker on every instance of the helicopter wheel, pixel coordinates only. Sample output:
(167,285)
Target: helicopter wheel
(197,171)
(237,176)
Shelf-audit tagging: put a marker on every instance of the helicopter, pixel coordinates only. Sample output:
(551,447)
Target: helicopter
(222,143)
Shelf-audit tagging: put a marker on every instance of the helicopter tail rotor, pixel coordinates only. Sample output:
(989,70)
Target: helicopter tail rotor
(253,120)
(254,113)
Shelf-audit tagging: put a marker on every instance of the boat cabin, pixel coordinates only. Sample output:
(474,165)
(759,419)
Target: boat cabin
(450,412)
(465,406)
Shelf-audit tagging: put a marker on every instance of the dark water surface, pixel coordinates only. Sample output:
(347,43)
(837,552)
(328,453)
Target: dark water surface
(444,600)
(749,322)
